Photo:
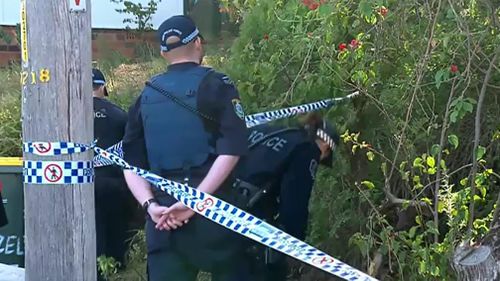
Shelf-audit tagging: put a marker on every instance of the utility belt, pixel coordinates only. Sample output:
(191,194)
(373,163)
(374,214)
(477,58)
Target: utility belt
(249,194)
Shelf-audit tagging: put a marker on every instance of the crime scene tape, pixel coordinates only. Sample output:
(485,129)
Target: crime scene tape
(269,116)
(253,120)
(240,221)
(58,172)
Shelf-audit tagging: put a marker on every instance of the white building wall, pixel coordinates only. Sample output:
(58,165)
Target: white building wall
(103,12)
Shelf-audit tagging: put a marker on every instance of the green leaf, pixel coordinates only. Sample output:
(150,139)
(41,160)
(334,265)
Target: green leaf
(480,152)
(443,164)
(482,189)
(439,78)
(441,206)
(383,167)
(365,8)
(354,147)
(368,184)
(418,220)
(454,116)
(431,162)
(464,181)
(435,149)
(431,171)
(426,200)
(470,100)
(453,140)
(417,162)
(468,107)
(416,179)
(325,10)
(402,166)
(412,231)
(370,155)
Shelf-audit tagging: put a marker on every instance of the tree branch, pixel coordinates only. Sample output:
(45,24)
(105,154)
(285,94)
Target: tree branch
(439,158)
(477,134)
(419,76)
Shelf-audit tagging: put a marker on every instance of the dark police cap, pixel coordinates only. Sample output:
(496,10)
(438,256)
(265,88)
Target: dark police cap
(327,133)
(99,79)
(180,26)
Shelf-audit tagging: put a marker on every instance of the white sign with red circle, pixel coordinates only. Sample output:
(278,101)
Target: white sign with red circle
(205,204)
(322,260)
(42,147)
(53,173)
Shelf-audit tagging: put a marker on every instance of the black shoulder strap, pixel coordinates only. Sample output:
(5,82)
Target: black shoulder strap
(272,134)
(179,102)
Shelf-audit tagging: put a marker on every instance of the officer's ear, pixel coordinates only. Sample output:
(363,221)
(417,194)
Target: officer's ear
(198,42)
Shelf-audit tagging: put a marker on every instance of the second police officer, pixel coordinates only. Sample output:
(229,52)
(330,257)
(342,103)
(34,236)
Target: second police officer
(187,126)
(275,180)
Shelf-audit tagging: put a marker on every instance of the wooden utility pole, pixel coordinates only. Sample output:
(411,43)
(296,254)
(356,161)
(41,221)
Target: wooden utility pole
(57,106)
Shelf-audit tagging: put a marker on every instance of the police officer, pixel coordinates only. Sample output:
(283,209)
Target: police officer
(112,198)
(276,179)
(187,126)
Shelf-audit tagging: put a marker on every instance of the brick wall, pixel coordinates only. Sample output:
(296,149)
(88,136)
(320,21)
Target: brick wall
(105,43)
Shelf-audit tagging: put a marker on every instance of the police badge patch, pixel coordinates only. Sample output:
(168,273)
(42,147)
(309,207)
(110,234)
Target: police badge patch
(238,108)
(227,80)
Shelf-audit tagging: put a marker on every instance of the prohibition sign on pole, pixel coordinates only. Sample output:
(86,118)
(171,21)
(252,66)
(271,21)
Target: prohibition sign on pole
(41,148)
(53,173)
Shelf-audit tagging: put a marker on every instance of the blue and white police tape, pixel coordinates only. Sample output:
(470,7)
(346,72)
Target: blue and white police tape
(269,116)
(253,120)
(58,172)
(100,161)
(243,223)
(55,148)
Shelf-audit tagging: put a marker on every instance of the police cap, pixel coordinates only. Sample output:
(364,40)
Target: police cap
(98,79)
(179,26)
(327,133)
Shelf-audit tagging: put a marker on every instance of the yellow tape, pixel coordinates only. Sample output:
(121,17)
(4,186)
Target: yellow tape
(11,161)
(24,33)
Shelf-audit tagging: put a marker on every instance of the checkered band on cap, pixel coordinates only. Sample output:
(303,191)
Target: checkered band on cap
(326,138)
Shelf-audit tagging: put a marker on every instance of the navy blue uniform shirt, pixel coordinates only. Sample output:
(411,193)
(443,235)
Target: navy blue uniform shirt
(109,129)
(289,161)
(216,96)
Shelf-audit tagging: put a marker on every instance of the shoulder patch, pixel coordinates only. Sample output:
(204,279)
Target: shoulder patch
(227,80)
(238,109)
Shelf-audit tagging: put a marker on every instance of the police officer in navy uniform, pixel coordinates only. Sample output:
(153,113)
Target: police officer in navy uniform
(188,126)
(276,178)
(112,198)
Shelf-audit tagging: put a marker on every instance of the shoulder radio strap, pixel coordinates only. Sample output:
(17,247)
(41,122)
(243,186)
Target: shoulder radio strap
(179,102)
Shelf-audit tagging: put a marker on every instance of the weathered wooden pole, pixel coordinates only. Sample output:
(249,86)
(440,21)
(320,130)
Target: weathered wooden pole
(57,106)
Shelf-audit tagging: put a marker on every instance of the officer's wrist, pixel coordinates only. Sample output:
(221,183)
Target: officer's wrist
(148,203)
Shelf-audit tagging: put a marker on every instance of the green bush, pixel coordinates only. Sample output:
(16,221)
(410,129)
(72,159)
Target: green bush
(420,67)
(10,113)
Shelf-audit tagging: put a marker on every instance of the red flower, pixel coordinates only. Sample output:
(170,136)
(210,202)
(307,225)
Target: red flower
(383,11)
(266,36)
(342,47)
(313,6)
(307,2)
(354,44)
(453,68)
